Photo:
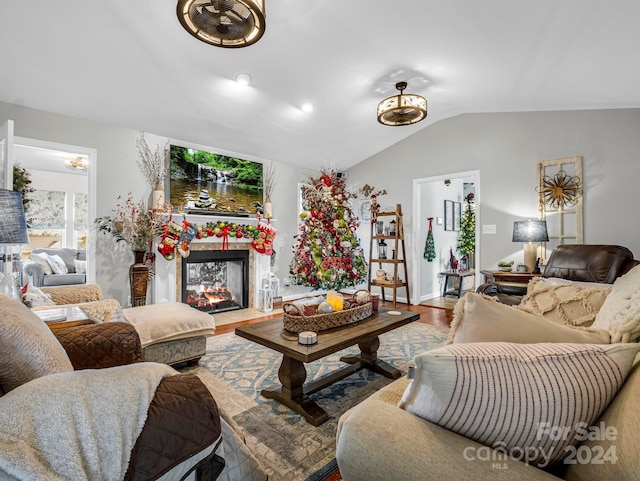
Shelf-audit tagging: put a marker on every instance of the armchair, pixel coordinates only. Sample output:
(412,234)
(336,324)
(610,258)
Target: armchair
(574,262)
(96,411)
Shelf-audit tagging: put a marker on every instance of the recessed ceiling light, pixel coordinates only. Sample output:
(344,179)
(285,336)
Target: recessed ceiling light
(243,78)
(307,107)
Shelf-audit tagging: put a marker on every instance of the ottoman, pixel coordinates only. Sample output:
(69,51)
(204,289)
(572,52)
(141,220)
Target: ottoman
(171,332)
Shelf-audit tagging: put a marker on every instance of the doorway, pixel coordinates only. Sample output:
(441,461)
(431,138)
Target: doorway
(68,173)
(429,196)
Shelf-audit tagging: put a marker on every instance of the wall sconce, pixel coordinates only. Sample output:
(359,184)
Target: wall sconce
(530,231)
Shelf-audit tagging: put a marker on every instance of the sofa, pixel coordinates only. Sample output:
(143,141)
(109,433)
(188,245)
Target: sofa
(575,262)
(378,441)
(170,333)
(81,403)
(508,380)
(85,406)
(42,270)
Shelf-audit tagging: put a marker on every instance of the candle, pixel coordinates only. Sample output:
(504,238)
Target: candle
(307,337)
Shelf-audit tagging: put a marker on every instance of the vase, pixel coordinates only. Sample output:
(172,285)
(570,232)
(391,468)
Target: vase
(157,198)
(268,208)
(138,279)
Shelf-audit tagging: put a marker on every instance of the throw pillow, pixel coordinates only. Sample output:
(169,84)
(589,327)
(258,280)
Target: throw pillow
(80,266)
(42,259)
(477,318)
(57,265)
(34,297)
(517,397)
(29,348)
(620,312)
(568,303)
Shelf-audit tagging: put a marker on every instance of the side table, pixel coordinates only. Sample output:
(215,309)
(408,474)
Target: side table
(64,317)
(455,275)
(514,282)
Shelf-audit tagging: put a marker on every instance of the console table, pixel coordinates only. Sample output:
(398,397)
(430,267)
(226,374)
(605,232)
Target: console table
(513,281)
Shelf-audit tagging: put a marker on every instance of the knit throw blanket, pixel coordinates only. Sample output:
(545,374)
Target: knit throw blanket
(79,425)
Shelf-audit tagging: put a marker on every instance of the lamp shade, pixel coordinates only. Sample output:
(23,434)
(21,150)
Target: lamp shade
(12,219)
(530,231)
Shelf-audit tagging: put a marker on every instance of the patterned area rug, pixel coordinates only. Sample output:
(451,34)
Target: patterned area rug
(289,448)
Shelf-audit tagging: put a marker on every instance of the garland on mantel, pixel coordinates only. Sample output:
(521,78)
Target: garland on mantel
(175,236)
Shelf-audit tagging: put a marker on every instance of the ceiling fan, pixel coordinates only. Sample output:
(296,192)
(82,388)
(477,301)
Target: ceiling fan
(223,23)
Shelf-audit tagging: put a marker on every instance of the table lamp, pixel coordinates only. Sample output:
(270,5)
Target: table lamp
(530,231)
(13,230)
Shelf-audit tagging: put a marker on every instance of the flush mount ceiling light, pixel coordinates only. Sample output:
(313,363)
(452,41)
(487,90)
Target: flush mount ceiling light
(223,23)
(402,109)
(77,163)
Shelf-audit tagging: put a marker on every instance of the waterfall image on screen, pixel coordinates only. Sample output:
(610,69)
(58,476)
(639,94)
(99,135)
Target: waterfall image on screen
(207,183)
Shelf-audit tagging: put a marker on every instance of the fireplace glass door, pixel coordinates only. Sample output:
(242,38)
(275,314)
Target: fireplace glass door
(216,281)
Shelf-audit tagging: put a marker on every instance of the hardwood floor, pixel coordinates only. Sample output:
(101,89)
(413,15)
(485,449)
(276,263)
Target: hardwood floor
(436,316)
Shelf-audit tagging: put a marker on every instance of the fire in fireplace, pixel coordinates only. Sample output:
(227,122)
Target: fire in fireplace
(216,281)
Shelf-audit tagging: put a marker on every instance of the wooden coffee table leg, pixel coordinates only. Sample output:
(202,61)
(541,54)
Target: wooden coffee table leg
(292,375)
(369,358)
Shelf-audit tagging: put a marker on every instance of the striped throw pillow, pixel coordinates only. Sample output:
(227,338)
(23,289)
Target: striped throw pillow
(529,400)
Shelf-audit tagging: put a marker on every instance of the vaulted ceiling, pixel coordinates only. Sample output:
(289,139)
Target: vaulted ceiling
(130,63)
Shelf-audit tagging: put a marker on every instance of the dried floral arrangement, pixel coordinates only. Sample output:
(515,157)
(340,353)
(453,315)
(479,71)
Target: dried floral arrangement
(269,176)
(154,164)
(133,223)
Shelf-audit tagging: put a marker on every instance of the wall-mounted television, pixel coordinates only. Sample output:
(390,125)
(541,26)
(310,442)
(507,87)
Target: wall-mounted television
(202,182)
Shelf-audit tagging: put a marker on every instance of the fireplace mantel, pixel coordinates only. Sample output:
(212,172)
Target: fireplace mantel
(163,286)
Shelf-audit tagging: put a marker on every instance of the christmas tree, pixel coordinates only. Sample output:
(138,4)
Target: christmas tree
(467,238)
(327,254)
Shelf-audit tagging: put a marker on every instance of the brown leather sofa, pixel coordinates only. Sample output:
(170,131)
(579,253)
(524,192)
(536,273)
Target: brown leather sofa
(575,262)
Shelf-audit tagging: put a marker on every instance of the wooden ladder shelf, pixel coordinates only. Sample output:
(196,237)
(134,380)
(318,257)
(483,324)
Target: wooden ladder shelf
(395,258)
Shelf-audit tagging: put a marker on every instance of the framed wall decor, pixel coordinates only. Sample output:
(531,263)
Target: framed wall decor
(365,210)
(457,215)
(448,215)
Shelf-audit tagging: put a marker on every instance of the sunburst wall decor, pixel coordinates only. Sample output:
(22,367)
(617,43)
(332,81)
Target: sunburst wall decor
(560,190)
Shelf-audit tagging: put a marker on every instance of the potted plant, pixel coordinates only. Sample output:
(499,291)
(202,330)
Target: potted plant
(505,266)
(136,225)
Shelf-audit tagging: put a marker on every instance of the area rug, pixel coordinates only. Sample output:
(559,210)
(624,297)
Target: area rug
(289,448)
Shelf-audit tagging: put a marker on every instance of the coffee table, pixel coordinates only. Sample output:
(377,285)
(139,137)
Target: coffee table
(293,392)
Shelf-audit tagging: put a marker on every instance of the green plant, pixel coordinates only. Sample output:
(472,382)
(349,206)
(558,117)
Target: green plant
(21,182)
(467,238)
(505,264)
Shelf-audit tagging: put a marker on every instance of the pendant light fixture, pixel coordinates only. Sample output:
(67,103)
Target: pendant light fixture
(223,23)
(402,109)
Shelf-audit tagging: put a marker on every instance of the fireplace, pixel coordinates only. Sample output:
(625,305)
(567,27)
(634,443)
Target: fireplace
(216,280)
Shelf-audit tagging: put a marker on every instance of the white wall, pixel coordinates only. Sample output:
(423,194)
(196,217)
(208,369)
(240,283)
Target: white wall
(118,174)
(505,148)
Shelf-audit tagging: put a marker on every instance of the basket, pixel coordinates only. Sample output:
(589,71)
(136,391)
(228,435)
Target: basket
(295,320)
